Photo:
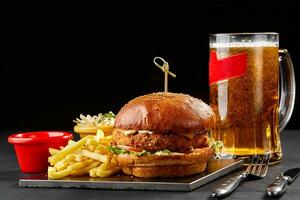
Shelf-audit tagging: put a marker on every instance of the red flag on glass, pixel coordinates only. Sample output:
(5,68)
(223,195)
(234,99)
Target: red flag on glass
(226,68)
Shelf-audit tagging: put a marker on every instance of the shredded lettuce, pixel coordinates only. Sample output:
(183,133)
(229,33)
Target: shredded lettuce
(96,120)
(163,152)
(110,115)
(117,150)
(217,146)
(143,153)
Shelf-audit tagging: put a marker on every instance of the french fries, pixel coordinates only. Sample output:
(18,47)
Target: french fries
(94,156)
(53,151)
(87,156)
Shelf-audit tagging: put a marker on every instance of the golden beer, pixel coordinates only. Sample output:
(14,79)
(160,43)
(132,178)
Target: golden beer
(246,106)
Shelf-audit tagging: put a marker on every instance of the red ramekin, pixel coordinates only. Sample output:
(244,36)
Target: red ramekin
(32,148)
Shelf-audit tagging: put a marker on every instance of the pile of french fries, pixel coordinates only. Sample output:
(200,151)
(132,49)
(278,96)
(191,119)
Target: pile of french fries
(87,156)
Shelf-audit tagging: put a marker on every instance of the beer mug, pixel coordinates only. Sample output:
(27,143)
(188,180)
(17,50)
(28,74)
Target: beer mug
(252,92)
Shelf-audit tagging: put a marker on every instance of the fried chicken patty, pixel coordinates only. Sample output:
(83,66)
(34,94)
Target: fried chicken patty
(154,142)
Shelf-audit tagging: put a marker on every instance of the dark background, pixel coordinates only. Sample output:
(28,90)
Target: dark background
(62,59)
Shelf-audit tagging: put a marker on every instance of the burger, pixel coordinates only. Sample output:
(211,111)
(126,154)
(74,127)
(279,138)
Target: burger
(163,135)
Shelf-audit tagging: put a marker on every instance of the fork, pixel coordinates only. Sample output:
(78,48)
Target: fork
(257,168)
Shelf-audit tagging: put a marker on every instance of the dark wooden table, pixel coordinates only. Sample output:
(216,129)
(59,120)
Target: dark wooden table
(255,189)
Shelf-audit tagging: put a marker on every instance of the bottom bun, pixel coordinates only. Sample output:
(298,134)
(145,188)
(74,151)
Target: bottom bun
(165,171)
(173,165)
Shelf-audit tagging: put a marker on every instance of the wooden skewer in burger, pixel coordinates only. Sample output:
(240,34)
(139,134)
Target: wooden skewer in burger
(163,135)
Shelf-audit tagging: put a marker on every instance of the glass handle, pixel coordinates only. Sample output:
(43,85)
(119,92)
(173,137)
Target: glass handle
(287,88)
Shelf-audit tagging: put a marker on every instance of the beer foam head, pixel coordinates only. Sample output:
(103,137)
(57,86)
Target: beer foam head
(243,44)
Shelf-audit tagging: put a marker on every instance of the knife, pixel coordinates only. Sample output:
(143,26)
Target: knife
(279,186)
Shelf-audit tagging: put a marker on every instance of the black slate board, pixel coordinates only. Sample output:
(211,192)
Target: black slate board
(214,170)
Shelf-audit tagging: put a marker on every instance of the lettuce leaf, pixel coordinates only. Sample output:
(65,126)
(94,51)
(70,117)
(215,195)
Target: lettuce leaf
(117,150)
